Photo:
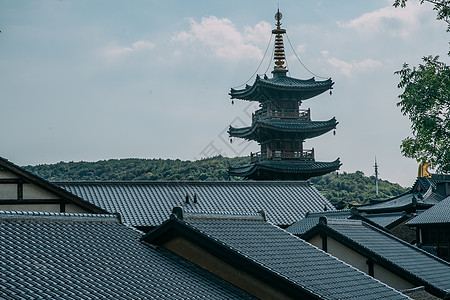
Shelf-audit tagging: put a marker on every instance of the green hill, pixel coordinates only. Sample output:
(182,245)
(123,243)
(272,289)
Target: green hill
(349,188)
(355,188)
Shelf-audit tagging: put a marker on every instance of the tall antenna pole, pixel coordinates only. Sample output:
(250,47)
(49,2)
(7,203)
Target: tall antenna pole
(376,176)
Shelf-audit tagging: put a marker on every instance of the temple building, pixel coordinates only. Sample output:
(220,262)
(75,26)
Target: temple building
(280,126)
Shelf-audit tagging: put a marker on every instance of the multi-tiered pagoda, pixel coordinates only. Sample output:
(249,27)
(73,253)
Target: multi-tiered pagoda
(280,126)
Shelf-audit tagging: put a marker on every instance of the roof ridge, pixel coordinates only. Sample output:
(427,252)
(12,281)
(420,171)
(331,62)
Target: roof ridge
(189,182)
(59,217)
(382,214)
(192,214)
(331,221)
(329,212)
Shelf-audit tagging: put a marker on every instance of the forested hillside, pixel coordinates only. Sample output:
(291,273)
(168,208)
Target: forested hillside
(355,188)
(349,188)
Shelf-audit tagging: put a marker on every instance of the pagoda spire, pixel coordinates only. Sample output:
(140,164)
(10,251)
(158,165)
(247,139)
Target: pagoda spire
(279,54)
(280,126)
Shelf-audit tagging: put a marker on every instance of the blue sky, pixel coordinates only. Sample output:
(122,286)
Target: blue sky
(94,80)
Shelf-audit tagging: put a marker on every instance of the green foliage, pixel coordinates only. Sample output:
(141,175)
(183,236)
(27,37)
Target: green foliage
(355,188)
(426,102)
(351,188)
(134,169)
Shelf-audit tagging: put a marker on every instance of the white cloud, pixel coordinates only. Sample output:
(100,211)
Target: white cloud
(260,34)
(300,48)
(397,22)
(349,68)
(115,51)
(224,40)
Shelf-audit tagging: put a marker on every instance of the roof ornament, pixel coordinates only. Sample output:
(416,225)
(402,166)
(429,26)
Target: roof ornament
(279,55)
(423,170)
(177,213)
(263,214)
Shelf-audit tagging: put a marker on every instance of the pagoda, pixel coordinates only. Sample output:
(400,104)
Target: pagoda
(280,126)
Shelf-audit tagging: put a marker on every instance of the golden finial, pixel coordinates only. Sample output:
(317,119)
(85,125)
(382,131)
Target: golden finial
(279,55)
(278,17)
(423,170)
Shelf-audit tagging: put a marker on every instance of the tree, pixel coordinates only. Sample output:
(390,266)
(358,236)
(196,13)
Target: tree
(426,102)
(441,6)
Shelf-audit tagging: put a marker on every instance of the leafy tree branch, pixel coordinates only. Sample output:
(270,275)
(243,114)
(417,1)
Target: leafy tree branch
(426,102)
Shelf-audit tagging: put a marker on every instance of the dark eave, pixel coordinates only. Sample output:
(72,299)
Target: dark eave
(283,170)
(408,202)
(264,129)
(283,88)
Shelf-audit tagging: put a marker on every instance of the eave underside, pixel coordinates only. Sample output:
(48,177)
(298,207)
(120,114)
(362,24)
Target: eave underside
(266,129)
(284,170)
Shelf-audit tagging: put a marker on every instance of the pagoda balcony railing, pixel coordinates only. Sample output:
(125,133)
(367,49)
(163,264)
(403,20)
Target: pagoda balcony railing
(297,114)
(305,155)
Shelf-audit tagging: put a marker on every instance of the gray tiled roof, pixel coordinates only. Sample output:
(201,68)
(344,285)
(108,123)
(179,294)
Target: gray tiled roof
(423,193)
(75,256)
(438,214)
(386,220)
(290,257)
(432,271)
(396,202)
(403,202)
(311,220)
(150,203)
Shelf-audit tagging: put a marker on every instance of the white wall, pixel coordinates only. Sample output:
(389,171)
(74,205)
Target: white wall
(358,261)
(31,191)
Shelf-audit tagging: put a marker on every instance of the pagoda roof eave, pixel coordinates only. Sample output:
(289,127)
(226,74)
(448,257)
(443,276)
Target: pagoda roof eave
(296,170)
(304,129)
(244,93)
(291,88)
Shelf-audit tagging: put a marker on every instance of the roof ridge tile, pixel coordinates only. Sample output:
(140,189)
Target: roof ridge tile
(57,216)
(193,214)
(332,221)
(189,182)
